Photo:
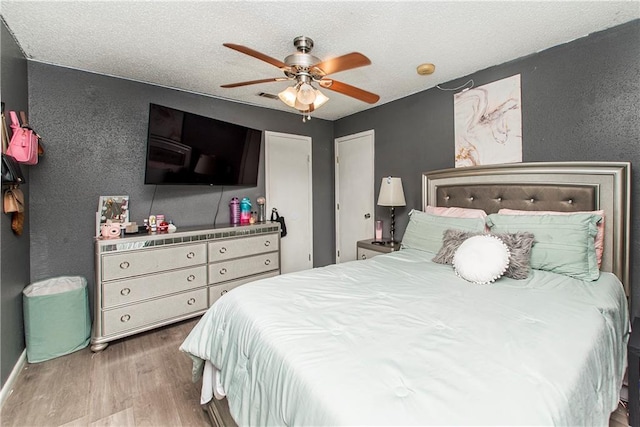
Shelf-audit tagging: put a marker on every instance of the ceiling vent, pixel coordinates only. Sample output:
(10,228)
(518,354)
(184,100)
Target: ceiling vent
(268,95)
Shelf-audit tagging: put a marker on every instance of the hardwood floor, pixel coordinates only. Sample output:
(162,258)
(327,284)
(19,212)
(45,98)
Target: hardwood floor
(142,380)
(137,381)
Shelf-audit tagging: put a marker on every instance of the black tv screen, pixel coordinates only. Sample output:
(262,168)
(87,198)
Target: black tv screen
(186,148)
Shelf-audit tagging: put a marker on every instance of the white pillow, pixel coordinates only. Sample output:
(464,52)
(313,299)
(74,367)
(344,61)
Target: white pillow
(481,259)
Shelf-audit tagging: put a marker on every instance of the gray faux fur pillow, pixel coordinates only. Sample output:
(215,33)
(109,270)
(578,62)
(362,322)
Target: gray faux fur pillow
(451,241)
(519,245)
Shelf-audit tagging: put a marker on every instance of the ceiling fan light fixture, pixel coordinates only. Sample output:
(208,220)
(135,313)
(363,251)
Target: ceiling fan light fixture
(306,94)
(288,96)
(300,106)
(319,102)
(321,98)
(304,69)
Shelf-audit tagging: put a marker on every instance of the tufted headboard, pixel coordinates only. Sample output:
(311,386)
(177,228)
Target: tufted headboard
(566,187)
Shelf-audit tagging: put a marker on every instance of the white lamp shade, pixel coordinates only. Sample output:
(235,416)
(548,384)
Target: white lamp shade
(391,192)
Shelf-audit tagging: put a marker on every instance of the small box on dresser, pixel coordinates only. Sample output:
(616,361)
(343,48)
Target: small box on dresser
(151,280)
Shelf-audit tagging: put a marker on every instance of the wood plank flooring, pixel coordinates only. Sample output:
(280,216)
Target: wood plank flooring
(142,380)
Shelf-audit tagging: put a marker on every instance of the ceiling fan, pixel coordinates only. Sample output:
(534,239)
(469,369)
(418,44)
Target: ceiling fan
(305,69)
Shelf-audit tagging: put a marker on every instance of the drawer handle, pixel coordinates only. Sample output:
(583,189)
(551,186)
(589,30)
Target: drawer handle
(223,271)
(267,261)
(363,256)
(191,278)
(124,265)
(125,318)
(223,292)
(223,250)
(267,243)
(191,301)
(125,291)
(190,255)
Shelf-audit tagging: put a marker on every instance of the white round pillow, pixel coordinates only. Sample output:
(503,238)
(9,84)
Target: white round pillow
(481,259)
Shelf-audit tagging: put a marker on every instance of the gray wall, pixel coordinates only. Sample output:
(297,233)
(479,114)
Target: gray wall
(14,250)
(580,101)
(95,131)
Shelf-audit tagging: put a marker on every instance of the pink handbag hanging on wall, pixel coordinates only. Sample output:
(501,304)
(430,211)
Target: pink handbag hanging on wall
(24,142)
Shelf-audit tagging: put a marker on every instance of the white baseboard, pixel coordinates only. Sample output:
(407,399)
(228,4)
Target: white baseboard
(8,386)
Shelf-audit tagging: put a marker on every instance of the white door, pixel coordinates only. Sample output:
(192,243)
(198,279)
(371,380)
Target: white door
(288,187)
(354,193)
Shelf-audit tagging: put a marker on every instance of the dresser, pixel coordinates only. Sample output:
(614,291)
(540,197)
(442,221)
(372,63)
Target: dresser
(151,280)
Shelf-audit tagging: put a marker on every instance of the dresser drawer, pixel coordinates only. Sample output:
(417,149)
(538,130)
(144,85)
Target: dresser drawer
(135,316)
(215,292)
(234,269)
(154,285)
(119,266)
(367,253)
(221,250)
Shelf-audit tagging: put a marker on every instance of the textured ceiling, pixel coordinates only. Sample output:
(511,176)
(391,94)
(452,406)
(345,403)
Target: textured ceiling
(178,44)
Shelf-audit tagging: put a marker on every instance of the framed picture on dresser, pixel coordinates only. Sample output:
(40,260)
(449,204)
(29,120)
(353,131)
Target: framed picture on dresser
(112,209)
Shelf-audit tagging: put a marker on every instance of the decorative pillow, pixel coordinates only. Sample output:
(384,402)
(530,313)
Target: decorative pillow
(563,244)
(599,241)
(425,231)
(519,245)
(451,241)
(456,212)
(481,259)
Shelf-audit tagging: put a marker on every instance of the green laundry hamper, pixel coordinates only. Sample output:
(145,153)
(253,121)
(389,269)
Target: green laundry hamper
(56,317)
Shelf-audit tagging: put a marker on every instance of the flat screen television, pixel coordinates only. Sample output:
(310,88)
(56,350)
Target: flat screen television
(186,148)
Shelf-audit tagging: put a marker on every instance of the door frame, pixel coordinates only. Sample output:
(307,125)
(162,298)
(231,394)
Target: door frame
(337,141)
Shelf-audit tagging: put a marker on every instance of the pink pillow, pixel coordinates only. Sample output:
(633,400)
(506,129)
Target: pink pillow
(599,240)
(456,212)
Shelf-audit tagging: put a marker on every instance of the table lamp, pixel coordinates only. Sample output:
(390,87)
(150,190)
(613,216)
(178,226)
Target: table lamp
(391,194)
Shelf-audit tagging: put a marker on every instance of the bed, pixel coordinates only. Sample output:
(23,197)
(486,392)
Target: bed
(402,340)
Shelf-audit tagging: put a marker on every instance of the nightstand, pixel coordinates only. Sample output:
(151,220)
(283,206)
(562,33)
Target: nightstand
(367,249)
(633,352)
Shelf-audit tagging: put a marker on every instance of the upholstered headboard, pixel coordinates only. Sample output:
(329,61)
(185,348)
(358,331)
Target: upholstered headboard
(566,187)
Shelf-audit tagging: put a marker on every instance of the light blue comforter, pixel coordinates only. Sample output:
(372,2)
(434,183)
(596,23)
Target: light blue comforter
(399,340)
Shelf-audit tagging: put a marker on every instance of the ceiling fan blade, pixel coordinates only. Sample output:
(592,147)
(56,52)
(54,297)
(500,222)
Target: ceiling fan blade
(253,82)
(341,63)
(258,55)
(349,90)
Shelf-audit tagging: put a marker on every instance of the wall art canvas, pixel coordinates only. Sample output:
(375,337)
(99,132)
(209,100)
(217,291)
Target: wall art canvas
(488,124)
